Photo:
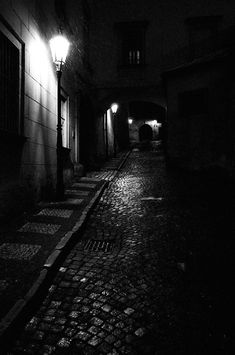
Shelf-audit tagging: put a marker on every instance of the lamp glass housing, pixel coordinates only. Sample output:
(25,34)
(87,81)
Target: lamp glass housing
(114,108)
(59,49)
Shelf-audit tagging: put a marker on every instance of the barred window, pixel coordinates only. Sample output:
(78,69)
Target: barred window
(131,39)
(133,47)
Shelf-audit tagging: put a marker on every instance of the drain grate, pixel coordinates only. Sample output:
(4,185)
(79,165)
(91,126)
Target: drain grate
(105,246)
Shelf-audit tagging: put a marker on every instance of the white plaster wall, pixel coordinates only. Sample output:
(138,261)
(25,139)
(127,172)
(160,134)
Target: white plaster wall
(38,165)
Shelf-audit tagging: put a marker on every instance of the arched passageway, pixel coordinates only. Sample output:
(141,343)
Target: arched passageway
(145,133)
(137,122)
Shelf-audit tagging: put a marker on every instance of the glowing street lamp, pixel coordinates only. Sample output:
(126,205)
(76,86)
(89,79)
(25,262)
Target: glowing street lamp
(59,49)
(114,108)
(130,120)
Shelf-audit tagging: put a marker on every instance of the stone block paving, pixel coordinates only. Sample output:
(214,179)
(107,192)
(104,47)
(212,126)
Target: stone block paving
(68,203)
(61,213)
(25,247)
(44,228)
(73,201)
(84,185)
(104,175)
(135,298)
(78,193)
(16,251)
(91,179)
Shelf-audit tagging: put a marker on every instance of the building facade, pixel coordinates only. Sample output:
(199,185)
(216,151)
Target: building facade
(178,56)
(28,117)
(199,90)
(161,61)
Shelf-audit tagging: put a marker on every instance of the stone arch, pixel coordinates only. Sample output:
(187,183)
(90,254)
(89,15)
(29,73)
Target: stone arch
(126,95)
(143,105)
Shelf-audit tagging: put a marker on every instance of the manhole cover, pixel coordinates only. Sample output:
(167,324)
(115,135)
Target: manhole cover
(105,246)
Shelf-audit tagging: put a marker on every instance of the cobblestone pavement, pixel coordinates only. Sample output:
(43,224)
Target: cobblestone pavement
(147,277)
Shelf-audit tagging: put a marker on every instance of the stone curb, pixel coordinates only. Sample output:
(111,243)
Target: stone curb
(124,160)
(24,306)
(121,164)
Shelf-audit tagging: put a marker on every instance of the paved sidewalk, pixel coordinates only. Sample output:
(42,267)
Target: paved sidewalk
(31,249)
(151,274)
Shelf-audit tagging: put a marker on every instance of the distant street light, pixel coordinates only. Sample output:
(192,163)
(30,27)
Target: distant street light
(114,108)
(59,48)
(130,120)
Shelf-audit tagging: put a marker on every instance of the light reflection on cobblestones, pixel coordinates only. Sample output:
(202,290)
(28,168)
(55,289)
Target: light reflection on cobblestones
(130,301)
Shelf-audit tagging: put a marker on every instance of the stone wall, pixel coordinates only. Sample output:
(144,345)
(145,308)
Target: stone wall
(199,140)
(168,44)
(166,34)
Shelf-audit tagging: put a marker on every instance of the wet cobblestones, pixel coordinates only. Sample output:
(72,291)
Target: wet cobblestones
(135,298)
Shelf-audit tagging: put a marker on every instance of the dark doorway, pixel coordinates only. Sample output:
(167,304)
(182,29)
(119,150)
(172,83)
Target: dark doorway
(145,133)
(86,132)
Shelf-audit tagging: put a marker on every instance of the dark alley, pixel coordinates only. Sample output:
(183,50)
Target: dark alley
(117,177)
(162,284)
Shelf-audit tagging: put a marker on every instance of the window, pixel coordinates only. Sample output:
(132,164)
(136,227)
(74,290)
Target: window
(11,58)
(132,51)
(194,102)
(131,40)
(65,118)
